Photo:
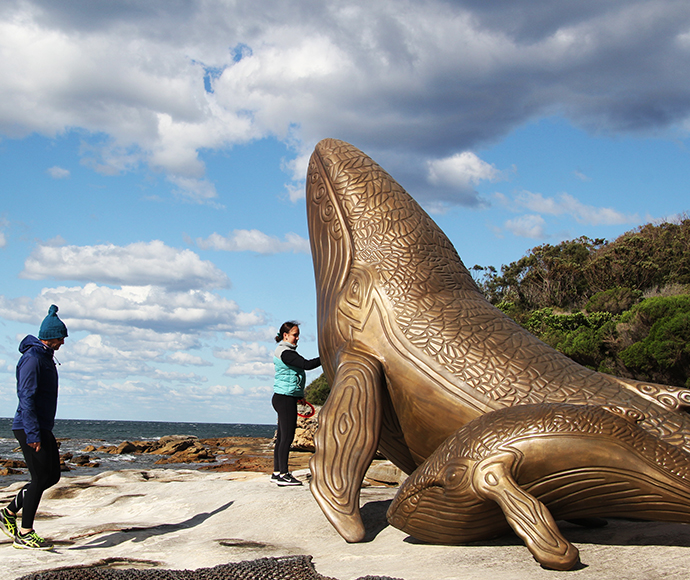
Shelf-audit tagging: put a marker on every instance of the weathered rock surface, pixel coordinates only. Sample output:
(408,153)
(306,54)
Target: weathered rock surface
(187,519)
(13,463)
(383,471)
(9,471)
(304,433)
(188,449)
(222,454)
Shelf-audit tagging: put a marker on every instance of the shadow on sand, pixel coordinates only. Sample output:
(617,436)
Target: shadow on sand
(618,532)
(141,534)
(374,518)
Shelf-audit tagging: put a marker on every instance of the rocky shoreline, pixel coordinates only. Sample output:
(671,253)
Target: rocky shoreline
(216,454)
(211,454)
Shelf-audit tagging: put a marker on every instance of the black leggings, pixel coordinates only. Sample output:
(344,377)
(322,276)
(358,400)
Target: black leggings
(44,467)
(286,407)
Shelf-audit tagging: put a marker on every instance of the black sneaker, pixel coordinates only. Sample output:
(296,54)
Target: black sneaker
(287,479)
(31,541)
(8,523)
(274,478)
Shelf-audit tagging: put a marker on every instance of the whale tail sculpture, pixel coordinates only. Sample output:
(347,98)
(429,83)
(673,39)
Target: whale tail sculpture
(413,351)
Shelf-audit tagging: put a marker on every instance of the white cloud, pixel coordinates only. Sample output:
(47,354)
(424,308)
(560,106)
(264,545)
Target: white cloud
(298,166)
(130,339)
(92,356)
(260,392)
(160,400)
(295,191)
(418,80)
(134,340)
(527,226)
(533,224)
(105,310)
(138,264)
(250,369)
(246,352)
(179,377)
(186,359)
(248,359)
(123,387)
(58,172)
(462,170)
(3,238)
(566,204)
(195,190)
(264,334)
(254,241)
(232,390)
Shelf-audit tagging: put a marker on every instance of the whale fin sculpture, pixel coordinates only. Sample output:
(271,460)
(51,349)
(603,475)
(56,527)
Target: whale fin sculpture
(534,464)
(412,349)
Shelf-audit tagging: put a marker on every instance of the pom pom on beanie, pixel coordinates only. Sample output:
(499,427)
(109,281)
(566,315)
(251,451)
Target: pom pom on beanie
(52,326)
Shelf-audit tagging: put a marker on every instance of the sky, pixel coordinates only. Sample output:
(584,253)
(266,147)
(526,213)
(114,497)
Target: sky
(153,156)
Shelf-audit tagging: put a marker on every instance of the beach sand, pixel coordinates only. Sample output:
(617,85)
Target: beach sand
(189,519)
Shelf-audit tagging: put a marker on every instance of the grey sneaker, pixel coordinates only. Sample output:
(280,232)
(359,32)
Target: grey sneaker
(287,479)
(8,523)
(31,541)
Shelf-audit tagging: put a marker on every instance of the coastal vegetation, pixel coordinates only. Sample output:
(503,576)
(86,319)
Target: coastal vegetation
(317,391)
(620,307)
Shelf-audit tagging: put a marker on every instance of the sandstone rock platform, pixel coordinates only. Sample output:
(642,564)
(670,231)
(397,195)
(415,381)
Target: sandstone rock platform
(186,519)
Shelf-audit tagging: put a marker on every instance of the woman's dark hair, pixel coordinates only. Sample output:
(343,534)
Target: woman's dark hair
(286,327)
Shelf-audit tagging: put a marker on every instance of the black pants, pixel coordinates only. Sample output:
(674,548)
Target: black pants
(286,407)
(44,467)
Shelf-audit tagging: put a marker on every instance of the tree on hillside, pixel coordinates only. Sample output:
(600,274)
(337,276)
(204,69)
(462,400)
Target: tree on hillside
(648,257)
(568,274)
(547,276)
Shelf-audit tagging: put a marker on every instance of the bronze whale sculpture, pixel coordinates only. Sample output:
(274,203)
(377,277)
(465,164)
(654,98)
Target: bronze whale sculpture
(412,349)
(528,465)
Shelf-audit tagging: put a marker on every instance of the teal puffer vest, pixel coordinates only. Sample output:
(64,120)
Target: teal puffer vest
(288,380)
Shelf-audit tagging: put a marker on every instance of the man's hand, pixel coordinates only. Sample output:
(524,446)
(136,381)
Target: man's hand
(35,446)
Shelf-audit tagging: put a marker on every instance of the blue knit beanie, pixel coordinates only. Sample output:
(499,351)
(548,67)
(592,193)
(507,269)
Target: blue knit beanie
(52,326)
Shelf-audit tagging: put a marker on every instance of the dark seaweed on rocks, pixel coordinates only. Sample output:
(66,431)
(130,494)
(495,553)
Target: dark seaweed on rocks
(286,568)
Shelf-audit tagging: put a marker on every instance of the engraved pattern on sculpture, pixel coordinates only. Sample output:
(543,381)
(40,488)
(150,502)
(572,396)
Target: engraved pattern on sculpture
(426,283)
(591,462)
(412,349)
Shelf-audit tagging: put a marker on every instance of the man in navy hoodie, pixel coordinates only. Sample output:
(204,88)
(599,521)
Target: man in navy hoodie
(37,390)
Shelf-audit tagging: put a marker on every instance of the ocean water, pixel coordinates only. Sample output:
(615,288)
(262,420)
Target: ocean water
(76,434)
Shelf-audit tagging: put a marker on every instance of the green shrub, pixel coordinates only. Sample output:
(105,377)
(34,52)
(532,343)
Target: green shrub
(317,391)
(634,294)
(586,338)
(636,357)
(616,300)
(544,320)
(664,349)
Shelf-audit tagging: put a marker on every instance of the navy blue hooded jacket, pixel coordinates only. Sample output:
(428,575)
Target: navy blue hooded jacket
(37,389)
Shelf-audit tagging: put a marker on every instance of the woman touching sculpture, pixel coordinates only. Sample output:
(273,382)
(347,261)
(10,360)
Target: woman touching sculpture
(288,390)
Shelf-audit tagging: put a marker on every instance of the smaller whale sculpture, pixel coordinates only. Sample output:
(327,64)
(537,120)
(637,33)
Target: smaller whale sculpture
(521,468)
